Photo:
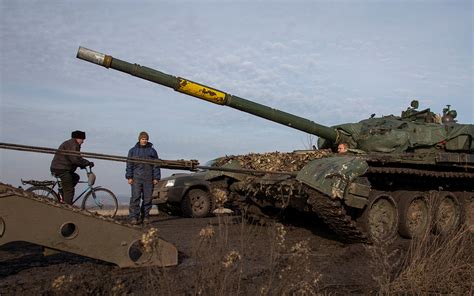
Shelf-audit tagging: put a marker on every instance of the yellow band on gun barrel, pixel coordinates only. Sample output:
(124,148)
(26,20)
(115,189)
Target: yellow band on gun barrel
(201,91)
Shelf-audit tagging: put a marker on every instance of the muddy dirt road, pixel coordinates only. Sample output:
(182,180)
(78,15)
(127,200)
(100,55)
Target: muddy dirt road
(216,256)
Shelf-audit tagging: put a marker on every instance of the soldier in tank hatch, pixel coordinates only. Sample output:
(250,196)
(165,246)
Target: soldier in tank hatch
(342,148)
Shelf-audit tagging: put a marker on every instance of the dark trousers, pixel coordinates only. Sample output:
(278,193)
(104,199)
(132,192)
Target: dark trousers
(141,192)
(68,182)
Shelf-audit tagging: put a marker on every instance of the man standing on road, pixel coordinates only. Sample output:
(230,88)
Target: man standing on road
(142,177)
(64,166)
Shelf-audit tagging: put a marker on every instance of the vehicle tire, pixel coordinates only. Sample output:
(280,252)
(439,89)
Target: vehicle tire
(447,213)
(45,192)
(196,203)
(101,201)
(414,212)
(380,218)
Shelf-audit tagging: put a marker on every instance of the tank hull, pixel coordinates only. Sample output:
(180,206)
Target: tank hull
(380,198)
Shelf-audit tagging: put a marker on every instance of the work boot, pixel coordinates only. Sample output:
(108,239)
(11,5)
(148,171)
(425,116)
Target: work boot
(134,221)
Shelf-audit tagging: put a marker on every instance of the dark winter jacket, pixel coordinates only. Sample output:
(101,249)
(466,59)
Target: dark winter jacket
(62,163)
(141,170)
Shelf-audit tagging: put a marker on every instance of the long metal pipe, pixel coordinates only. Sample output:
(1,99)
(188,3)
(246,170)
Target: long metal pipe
(210,94)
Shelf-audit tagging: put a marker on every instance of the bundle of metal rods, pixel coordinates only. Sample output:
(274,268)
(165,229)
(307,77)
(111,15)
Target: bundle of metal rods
(190,165)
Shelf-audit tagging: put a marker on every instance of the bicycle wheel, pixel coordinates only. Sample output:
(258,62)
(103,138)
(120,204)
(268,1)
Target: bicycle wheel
(101,201)
(45,192)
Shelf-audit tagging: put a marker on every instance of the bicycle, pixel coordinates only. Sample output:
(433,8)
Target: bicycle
(97,199)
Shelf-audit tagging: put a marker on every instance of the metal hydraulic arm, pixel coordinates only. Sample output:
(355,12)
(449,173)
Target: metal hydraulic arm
(25,217)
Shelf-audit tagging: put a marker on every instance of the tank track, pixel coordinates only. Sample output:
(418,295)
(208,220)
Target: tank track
(334,215)
(426,179)
(419,172)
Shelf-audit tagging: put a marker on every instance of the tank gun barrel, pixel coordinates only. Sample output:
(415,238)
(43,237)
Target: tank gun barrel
(210,94)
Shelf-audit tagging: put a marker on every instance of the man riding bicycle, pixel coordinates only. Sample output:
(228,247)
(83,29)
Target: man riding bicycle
(64,166)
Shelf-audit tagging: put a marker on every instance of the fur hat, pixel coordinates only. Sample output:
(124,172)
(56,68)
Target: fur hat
(143,135)
(78,135)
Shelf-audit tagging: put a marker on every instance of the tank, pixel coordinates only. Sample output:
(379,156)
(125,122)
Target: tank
(369,181)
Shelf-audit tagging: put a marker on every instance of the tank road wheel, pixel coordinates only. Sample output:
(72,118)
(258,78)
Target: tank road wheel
(414,214)
(196,203)
(45,192)
(380,217)
(447,213)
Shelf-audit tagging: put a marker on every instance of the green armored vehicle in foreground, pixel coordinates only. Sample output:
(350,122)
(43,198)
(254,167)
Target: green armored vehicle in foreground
(404,174)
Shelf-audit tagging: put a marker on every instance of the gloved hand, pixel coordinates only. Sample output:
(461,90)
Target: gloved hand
(91,164)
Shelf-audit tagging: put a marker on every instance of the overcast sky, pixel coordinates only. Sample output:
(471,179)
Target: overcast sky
(330,61)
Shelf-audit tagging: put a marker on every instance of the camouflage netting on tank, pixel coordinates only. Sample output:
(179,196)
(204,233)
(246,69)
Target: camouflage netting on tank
(275,190)
(275,161)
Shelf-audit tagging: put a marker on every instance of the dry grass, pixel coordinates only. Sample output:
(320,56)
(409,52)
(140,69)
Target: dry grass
(223,267)
(223,263)
(432,265)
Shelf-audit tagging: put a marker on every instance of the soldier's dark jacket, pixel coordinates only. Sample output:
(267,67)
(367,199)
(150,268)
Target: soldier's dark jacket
(143,171)
(62,163)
